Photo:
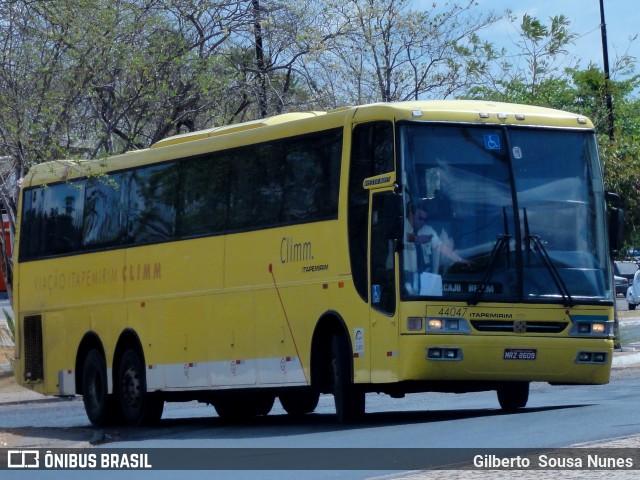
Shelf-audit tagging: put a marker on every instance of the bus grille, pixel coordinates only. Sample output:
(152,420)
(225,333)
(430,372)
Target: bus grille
(519,327)
(33,364)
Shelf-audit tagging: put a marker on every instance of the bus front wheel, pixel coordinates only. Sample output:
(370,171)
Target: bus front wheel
(138,406)
(98,404)
(349,399)
(513,395)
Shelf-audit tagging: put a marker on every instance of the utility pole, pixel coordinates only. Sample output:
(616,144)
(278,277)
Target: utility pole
(260,67)
(607,83)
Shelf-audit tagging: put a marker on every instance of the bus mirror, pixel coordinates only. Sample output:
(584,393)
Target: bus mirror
(616,222)
(616,229)
(614,198)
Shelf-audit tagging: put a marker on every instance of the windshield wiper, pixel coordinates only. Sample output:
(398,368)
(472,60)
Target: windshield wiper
(539,247)
(501,244)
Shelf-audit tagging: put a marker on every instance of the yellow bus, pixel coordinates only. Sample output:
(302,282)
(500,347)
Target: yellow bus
(429,246)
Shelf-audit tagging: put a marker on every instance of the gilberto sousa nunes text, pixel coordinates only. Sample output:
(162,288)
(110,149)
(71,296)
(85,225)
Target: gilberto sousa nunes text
(557,461)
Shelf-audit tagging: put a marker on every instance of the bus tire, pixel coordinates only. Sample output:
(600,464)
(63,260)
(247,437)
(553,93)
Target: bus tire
(513,395)
(348,398)
(300,402)
(99,405)
(138,406)
(261,404)
(240,406)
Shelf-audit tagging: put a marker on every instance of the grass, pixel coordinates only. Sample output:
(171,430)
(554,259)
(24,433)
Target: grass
(7,336)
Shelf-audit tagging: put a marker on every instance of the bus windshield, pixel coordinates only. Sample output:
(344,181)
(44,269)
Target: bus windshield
(502,214)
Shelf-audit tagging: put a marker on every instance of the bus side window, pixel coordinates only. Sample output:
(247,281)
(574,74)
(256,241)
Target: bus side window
(153,198)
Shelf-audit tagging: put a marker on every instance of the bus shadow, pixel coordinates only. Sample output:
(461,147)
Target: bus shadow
(283,426)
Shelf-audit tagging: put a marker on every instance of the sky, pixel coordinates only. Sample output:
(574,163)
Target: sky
(622,20)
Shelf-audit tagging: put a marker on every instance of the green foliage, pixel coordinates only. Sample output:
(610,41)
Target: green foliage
(10,323)
(621,164)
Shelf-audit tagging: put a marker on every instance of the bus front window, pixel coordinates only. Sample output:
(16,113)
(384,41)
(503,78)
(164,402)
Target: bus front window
(557,179)
(495,214)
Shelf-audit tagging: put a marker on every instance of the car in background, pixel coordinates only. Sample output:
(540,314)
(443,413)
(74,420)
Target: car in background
(621,284)
(626,269)
(633,292)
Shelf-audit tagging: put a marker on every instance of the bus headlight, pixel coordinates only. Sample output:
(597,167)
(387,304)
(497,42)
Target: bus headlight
(447,325)
(434,324)
(592,329)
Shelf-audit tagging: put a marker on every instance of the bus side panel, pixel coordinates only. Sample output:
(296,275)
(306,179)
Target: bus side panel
(188,267)
(355,313)
(292,270)
(169,288)
(174,335)
(63,296)
(68,282)
(232,340)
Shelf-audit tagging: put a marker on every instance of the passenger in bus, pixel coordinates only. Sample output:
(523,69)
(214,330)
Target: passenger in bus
(423,248)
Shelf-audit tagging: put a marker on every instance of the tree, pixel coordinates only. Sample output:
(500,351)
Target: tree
(535,73)
(392,52)
(108,76)
(90,78)
(284,38)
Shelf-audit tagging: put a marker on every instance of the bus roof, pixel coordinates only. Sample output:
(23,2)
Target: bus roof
(238,127)
(280,126)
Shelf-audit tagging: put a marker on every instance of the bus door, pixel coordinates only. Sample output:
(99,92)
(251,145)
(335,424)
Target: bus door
(383,317)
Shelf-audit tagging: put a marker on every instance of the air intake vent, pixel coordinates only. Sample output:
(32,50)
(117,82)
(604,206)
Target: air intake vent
(33,364)
(519,326)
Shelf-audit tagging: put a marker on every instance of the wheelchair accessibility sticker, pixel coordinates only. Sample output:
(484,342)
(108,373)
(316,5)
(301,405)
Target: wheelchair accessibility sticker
(492,142)
(376,294)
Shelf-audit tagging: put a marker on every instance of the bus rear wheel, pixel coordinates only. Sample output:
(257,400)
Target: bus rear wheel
(240,406)
(300,402)
(349,399)
(138,406)
(98,403)
(513,395)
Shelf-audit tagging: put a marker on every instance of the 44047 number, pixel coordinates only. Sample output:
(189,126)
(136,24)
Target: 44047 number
(452,311)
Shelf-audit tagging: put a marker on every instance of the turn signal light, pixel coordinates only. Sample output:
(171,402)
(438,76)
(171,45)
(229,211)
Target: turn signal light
(591,357)
(444,353)
(414,324)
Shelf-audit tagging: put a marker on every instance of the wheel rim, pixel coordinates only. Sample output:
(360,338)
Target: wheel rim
(95,390)
(132,389)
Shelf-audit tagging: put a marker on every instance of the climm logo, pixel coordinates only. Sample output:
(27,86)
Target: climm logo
(293,251)
(99,277)
(141,272)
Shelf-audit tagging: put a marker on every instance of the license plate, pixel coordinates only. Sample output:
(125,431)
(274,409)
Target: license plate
(519,354)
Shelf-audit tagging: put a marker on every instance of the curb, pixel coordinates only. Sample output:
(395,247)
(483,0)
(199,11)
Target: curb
(5,370)
(625,359)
